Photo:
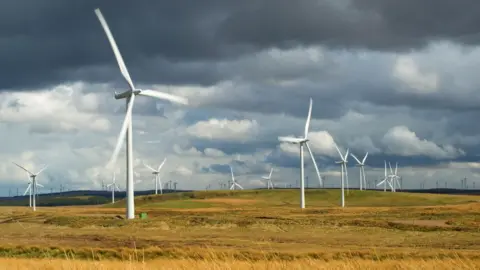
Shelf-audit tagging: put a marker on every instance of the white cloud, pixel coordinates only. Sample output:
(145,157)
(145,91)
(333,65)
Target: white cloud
(62,108)
(321,143)
(400,140)
(212,152)
(182,170)
(224,129)
(407,71)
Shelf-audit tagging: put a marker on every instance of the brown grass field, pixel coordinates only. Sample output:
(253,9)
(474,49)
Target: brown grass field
(249,230)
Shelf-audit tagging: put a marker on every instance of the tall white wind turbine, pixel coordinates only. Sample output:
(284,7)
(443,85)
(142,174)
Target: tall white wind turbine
(156,176)
(301,142)
(344,172)
(269,179)
(234,183)
(32,185)
(113,186)
(126,131)
(361,164)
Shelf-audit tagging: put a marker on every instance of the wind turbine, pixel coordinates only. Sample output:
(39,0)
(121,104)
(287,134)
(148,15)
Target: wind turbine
(126,131)
(32,186)
(234,183)
(114,186)
(301,142)
(363,181)
(394,177)
(344,172)
(386,180)
(269,179)
(156,177)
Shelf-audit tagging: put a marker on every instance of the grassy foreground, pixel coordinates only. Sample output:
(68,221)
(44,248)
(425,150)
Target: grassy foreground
(42,264)
(250,229)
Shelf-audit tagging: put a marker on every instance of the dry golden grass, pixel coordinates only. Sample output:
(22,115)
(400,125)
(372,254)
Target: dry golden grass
(45,264)
(261,230)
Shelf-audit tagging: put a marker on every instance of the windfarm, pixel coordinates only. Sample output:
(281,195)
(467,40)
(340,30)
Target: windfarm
(246,150)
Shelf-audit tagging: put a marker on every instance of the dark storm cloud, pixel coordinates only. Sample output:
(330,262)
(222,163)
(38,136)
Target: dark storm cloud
(47,42)
(43,42)
(373,24)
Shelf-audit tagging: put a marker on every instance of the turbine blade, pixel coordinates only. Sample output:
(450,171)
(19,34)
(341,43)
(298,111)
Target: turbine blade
(231,170)
(385,168)
(238,185)
(40,185)
(270,175)
(346,155)
(390,184)
(116,51)
(396,168)
(30,173)
(390,165)
(383,181)
(309,116)
(355,158)
(338,150)
(28,188)
(314,164)
(164,96)
(365,158)
(123,132)
(161,165)
(152,169)
(289,139)
(44,167)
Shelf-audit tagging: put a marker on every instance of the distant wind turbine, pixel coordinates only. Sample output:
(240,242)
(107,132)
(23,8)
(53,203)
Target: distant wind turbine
(113,186)
(156,177)
(363,181)
(32,186)
(269,179)
(234,183)
(344,172)
(386,180)
(394,177)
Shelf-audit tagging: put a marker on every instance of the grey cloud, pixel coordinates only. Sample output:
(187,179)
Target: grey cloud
(373,24)
(162,41)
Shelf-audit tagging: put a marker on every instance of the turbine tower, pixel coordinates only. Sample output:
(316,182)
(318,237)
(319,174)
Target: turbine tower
(344,172)
(32,186)
(156,176)
(363,181)
(269,179)
(301,142)
(234,183)
(114,186)
(126,131)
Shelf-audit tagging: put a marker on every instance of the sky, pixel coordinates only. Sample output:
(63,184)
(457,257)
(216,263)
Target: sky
(396,79)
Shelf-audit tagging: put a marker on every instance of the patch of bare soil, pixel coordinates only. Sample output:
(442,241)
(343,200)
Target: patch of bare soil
(425,223)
